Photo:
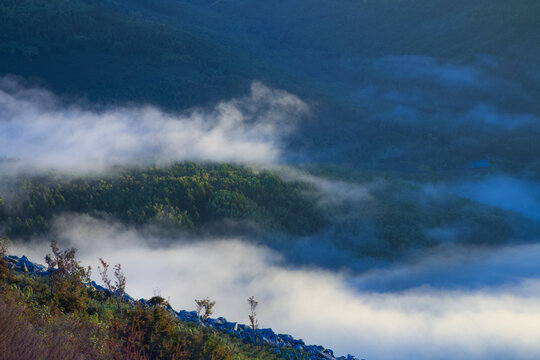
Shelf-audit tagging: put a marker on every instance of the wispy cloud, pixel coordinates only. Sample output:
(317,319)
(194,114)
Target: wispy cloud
(488,115)
(36,128)
(503,191)
(414,67)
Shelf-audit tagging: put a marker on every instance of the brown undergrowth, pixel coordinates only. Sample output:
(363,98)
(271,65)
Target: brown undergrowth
(59,317)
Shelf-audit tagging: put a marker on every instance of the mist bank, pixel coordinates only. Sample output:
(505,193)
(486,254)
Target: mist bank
(42,132)
(458,85)
(503,191)
(424,320)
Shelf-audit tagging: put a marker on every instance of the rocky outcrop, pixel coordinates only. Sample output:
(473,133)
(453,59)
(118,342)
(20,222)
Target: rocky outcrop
(264,336)
(22,264)
(283,343)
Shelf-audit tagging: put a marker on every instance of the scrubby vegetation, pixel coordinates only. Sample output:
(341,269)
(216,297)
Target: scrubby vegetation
(57,317)
(185,196)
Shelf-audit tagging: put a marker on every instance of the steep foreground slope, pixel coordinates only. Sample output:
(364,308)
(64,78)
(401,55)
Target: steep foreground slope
(56,313)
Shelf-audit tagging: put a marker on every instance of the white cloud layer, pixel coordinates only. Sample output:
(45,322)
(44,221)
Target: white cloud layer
(322,307)
(36,129)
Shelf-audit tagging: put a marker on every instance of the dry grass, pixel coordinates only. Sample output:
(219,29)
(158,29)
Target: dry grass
(60,339)
(18,339)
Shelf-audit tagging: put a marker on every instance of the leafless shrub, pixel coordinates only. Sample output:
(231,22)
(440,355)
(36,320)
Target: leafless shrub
(65,263)
(118,289)
(253,316)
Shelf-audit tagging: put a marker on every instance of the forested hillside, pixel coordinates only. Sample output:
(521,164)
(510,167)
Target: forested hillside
(379,216)
(457,80)
(184,196)
(189,52)
(82,49)
(435,112)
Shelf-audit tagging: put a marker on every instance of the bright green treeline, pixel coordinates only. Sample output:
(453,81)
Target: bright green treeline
(185,195)
(392,218)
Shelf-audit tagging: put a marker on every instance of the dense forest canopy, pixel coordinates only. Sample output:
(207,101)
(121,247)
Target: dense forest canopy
(398,216)
(184,196)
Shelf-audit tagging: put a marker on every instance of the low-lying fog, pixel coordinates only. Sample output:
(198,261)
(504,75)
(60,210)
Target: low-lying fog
(38,130)
(418,318)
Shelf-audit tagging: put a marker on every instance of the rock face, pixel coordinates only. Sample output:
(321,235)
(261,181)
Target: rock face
(281,342)
(22,264)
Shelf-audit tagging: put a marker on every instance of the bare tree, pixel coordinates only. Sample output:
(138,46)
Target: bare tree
(253,316)
(65,263)
(206,305)
(118,289)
